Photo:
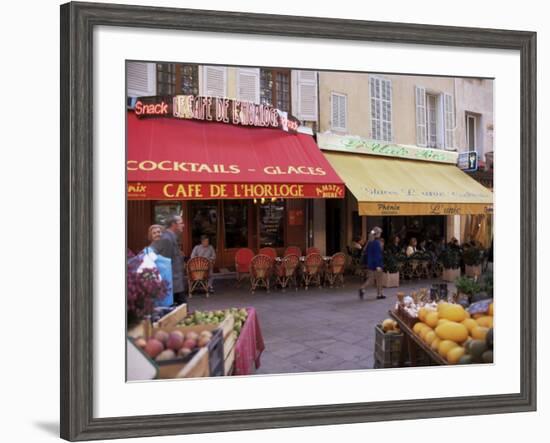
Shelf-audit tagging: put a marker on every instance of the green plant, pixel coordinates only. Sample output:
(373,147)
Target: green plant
(450,258)
(391,264)
(472,256)
(487,284)
(467,286)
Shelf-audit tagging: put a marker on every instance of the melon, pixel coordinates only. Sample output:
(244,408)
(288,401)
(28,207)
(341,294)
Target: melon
(470,324)
(445,346)
(477,348)
(425,331)
(451,330)
(388,325)
(441,321)
(432,319)
(453,312)
(455,354)
(479,332)
(486,321)
(418,327)
(435,343)
(429,337)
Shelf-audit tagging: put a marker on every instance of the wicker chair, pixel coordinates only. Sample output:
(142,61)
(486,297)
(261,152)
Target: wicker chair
(312,250)
(335,269)
(270,252)
(198,270)
(311,272)
(261,268)
(286,271)
(293,250)
(243,257)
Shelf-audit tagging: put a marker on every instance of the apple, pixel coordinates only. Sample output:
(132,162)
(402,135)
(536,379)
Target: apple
(167,354)
(153,347)
(175,340)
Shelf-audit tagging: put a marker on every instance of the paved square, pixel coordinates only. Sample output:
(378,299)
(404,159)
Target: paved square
(320,329)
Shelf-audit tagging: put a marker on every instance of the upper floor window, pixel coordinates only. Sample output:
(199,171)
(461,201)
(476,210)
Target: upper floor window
(275,88)
(339,111)
(381,108)
(435,119)
(177,78)
(473,138)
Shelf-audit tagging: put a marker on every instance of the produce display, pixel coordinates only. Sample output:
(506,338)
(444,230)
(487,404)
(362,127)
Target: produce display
(215,317)
(164,346)
(459,335)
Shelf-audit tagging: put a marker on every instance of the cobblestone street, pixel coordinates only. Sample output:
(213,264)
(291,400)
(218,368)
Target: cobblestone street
(315,330)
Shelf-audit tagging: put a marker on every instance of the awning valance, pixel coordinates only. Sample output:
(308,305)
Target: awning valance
(186,159)
(385,186)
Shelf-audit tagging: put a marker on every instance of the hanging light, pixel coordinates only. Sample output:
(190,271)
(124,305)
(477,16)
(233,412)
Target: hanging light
(255,201)
(263,200)
(273,200)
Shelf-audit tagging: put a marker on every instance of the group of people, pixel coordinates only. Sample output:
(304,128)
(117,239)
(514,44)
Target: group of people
(164,241)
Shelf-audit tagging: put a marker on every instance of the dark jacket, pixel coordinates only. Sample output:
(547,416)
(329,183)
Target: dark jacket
(372,255)
(168,247)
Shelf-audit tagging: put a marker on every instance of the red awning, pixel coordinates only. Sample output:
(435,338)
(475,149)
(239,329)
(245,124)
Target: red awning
(186,159)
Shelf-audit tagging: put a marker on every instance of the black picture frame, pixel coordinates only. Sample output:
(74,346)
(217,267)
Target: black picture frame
(77,23)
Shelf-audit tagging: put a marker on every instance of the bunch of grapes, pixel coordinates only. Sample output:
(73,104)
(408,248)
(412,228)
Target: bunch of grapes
(143,289)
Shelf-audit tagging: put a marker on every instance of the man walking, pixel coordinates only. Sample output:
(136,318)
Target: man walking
(168,247)
(373,260)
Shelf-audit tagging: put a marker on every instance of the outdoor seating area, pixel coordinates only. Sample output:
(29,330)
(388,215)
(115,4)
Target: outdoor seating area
(268,270)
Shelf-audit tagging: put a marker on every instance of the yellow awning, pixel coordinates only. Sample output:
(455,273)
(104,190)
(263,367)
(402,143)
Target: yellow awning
(386,186)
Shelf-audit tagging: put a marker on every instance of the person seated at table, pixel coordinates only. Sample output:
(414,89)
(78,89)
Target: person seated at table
(206,250)
(395,246)
(411,249)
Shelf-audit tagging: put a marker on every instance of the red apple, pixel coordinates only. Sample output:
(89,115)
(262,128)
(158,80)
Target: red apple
(175,340)
(153,347)
(161,336)
(189,343)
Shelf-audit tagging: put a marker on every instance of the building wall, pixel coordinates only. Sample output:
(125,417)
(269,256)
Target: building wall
(356,87)
(475,96)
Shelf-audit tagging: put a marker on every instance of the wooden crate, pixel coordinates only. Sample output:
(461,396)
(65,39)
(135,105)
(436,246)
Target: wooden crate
(226,326)
(197,367)
(229,352)
(387,348)
(450,274)
(390,280)
(172,318)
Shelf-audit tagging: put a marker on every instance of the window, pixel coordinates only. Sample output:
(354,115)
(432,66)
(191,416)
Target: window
(471,132)
(339,104)
(248,84)
(435,119)
(162,210)
(175,79)
(272,221)
(235,223)
(381,108)
(431,121)
(214,81)
(204,221)
(275,88)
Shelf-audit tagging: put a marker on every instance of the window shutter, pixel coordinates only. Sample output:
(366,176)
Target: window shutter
(307,95)
(339,111)
(381,109)
(214,81)
(450,121)
(248,84)
(141,79)
(420,94)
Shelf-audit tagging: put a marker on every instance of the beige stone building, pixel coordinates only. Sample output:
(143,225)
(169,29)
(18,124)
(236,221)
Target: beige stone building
(442,113)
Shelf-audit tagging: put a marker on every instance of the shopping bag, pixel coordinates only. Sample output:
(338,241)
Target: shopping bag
(164,266)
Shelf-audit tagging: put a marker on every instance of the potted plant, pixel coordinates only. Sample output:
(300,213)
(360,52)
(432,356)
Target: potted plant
(472,257)
(450,259)
(391,271)
(467,287)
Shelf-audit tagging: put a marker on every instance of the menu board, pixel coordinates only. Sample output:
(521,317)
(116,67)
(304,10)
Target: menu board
(272,216)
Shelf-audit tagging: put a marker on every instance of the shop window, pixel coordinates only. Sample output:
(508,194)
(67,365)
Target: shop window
(275,88)
(204,221)
(162,210)
(177,78)
(272,221)
(235,223)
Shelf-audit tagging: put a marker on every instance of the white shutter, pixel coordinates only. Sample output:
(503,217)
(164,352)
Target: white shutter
(420,94)
(381,109)
(248,84)
(307,95)
(141,79)
(214,81)
(339,111)
(450,121)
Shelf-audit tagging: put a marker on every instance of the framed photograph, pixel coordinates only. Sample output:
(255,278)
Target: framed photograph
(275,221)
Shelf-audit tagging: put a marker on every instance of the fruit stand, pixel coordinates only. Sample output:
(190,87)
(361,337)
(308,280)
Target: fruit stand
(200,344)
(441,331)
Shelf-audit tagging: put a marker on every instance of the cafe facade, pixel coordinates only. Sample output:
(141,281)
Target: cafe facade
(240,172)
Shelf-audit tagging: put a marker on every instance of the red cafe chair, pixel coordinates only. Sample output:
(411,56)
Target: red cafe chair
(198,270)
(243,257)
(285,271)
(293,250)
(311,271)
(260,272)
(335,269)
(270,252)
(312,250)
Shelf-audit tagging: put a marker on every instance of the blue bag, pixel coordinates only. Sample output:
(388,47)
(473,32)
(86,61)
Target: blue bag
(164,266)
